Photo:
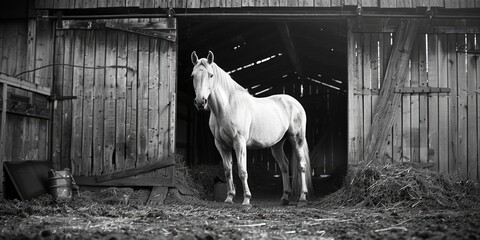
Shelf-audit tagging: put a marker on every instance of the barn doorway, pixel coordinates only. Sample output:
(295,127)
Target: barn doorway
(307,60)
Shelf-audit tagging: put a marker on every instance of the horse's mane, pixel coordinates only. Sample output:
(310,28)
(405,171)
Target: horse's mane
(225,79)
(222,77)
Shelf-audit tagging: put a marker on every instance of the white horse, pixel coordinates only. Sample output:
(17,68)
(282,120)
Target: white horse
(239,121)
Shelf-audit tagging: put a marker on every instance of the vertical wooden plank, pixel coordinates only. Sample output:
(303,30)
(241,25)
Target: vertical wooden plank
(387,3)
(164,99)
(453,113)
(421,3)
(142,100)
(292,3)
(366,86)
(99,103)
(472,109)
(350,2)
(406,120)
(423,102)
(131,95)
(236,3)
(3,129)
(58,105)
(322,3)
(77,90)
(305,3)
(433,103)
(437,3)
(9,55)
(66,160)
(355,110)
(462,164)
(121,100)
(415,105)
(466,3)
(30,60)
(477,44)
(44,53)
(206,3)
(109,164)
(154,135)
(336,3)
(443,108)
(451,4)
(88,104)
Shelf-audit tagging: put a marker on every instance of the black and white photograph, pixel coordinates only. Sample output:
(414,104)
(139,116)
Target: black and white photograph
(239,119)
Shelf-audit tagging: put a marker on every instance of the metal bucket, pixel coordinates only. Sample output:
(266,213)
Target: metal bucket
(60,183)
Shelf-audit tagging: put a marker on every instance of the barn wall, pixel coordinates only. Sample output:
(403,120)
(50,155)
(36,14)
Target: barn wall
(20,52)
(254,3)
(438,122)
(123,113)
(26,134)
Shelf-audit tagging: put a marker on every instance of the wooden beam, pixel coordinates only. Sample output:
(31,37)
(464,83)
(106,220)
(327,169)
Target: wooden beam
(166,162)
(125,182)
(290,46)
(29,86)
(387,108)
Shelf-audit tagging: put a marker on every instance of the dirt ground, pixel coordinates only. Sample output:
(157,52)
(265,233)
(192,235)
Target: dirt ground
(84,218)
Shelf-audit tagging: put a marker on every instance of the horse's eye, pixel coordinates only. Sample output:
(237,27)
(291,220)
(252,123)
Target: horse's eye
(210,75)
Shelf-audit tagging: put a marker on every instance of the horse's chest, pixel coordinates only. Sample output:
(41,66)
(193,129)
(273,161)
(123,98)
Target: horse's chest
(227,130)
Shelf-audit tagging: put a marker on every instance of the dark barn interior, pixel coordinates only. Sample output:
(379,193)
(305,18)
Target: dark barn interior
(307,60)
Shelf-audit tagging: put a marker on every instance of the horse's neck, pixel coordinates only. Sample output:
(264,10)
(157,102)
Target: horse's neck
(220,98)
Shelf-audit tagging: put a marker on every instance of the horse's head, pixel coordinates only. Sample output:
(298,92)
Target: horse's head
(202,79)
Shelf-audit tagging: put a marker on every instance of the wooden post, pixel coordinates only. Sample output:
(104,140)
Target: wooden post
(387,107)
(3,122)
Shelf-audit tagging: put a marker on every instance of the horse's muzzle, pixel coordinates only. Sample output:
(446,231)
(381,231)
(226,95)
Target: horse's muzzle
(200,105)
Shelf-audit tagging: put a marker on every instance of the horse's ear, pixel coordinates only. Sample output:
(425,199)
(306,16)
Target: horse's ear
(210,57)
(194,58)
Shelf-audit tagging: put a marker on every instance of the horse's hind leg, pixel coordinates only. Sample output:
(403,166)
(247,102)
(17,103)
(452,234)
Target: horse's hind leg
(300,156)
(226,155)
(279,155)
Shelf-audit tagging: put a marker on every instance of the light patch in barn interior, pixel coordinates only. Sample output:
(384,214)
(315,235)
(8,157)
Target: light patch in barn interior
(265,59)
(337,81)
(301,90)
(324,84)
(253,63)
(263,91)
(391,39)
(258,85)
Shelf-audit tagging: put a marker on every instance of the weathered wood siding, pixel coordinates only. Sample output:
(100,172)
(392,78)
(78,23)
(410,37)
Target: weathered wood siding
(51,4)
(27,136)
(124,111)
(26,131)
(438,123)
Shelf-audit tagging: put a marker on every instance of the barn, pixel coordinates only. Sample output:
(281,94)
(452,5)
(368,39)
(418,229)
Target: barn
(103,87)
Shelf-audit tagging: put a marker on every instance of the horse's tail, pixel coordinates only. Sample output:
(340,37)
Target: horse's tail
(296,176)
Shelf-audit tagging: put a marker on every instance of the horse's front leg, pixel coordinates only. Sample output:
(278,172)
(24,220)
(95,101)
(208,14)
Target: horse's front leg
(226,154)
(240,147)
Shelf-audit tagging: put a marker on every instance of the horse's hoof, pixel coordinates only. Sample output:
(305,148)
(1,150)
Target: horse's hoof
(302,203)
(284,202)
(246,207)
(229,201)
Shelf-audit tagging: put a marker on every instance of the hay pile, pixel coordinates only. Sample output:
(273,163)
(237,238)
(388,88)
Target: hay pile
(199,179)
(405,185)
